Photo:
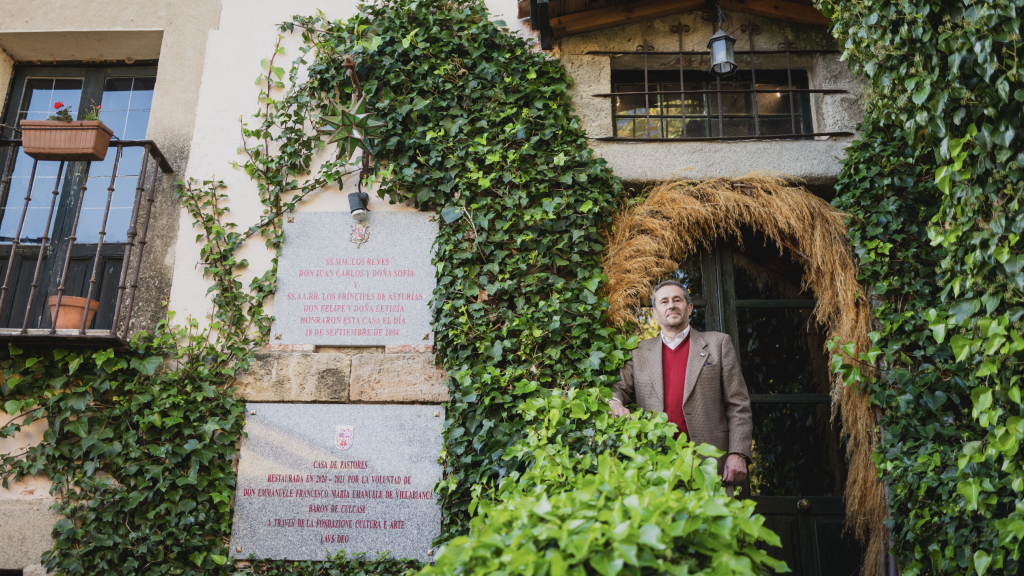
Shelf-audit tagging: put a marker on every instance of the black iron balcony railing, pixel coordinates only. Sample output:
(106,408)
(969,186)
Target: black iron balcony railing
(698,107)
(71,251)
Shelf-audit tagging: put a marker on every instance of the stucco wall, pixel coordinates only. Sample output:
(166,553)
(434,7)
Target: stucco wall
(817,162)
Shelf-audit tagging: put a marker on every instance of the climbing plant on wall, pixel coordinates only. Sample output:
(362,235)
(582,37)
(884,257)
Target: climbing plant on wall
(934,189)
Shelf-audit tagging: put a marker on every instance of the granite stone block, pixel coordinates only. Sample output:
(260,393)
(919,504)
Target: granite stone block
(315,479)
(397,378)
(25,528)
(339,285)
(296,377)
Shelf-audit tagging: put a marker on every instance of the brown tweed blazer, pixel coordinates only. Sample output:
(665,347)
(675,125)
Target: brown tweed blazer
(715,399)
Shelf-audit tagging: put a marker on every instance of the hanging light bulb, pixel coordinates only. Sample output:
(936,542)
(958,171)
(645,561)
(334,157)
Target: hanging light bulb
(723,54)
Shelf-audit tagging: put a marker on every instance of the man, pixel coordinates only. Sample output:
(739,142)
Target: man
(692,376)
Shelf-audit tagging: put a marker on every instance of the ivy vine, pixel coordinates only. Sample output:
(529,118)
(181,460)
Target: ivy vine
(934,188)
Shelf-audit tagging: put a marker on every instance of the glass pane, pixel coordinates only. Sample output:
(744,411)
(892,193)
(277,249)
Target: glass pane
(41,94)
(694,128)
(647,128)
(634,105)
(781,351)
(772,103)
(122,198)
(797,451)
(780,126)
(689,275)
(125,109)
(38,208)
(732,103)
(624,127)
(762,273)
(734,126)
(649,328)
(694,102)
(126,104)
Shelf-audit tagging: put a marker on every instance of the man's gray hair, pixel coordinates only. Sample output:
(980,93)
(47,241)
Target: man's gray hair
(654,293)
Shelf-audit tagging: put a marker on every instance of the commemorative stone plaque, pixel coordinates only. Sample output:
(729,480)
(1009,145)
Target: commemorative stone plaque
(344,283)
(316,479)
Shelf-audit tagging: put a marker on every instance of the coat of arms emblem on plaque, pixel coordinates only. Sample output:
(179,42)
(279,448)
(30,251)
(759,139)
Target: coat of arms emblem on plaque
(360,234)
(343,437)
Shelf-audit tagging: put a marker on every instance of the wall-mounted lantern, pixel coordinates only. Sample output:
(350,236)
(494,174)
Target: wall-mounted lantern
(723,55)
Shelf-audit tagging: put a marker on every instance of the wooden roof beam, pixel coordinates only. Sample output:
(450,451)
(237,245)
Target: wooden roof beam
(780,10)
(591,20)
(619,15)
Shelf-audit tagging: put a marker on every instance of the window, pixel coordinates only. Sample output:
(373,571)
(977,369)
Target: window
(44,248)
(658,113)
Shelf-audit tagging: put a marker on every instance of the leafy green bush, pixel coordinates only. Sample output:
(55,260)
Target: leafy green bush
(651,505)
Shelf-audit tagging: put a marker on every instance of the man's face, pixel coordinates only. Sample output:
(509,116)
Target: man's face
(671,309)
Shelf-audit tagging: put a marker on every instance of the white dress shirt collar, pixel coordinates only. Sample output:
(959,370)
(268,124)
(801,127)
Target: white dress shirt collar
(679,339)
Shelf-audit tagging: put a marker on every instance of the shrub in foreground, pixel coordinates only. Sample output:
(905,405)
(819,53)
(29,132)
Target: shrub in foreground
(647,504)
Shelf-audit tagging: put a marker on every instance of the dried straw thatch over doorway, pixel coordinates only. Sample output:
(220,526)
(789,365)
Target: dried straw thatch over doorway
(651,239)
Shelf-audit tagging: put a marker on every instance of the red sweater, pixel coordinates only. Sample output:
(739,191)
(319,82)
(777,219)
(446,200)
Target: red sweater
(673,368)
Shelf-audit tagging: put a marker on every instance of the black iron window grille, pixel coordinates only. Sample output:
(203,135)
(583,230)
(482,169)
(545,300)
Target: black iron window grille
(647,100)
(73,234)
(664,118)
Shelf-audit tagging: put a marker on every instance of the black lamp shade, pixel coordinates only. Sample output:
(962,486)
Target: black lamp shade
(723,55)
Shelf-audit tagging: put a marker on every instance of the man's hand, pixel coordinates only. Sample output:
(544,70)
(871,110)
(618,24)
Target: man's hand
(735,469)
(618,409)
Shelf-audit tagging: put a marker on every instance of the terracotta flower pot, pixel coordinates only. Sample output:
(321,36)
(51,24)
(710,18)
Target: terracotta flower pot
(71,310)
(79,141)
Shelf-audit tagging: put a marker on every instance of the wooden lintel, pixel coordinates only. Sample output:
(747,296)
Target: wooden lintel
(780,10)
(591,20)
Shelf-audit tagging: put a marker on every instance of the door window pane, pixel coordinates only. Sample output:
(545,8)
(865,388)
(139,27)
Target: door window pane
(796,446)
(126,104)
(42,93)
(125,109)
(797,451)
(762,273)
(37,104)
(782,351)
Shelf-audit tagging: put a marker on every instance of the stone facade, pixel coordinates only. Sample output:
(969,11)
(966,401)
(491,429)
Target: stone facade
(397,378)
(332,375)
(816,162)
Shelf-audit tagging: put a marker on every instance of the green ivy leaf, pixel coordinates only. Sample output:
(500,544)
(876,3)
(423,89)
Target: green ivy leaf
(451,214)
(147,365)
(961,347)
(981,562)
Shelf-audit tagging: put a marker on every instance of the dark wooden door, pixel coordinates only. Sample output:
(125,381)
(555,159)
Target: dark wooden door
(753,293)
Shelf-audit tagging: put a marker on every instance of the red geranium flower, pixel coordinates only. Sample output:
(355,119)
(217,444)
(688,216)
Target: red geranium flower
(58,105)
